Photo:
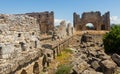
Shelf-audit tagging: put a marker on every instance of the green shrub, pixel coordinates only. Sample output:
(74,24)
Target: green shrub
(111,40)
(63,69)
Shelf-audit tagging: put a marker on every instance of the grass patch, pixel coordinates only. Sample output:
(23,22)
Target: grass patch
(64,57)
(59,55)
(68,50)
(63,69)
(61,60)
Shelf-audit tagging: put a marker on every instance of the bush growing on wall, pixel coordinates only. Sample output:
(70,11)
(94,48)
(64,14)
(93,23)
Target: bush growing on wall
(111,40)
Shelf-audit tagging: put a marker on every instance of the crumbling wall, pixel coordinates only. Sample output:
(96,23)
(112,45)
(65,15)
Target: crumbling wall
(45,20)
(63,30)
(100,22)
(18,33)
(70,29)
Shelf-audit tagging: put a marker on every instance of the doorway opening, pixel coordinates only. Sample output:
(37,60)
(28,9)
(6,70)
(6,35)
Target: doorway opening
(89,26)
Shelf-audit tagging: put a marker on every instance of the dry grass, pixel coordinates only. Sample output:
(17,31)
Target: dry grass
(60,60)
(64,57)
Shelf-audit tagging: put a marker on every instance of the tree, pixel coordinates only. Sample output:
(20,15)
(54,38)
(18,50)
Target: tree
(111,40)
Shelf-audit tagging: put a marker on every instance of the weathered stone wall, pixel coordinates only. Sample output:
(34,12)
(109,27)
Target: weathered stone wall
(100,22)
(70,29)
(63,30)
(45,20)
(17,33)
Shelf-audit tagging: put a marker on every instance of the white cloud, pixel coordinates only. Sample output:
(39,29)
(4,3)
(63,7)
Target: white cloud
(57,21)
(115,20)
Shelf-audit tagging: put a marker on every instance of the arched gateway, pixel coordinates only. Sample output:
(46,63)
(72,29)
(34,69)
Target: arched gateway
(99,22)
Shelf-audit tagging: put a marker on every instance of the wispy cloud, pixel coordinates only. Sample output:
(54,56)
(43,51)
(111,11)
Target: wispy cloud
(57,21)
(115,20)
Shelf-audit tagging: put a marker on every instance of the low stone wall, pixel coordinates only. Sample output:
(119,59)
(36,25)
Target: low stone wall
(61,45)
(11,66)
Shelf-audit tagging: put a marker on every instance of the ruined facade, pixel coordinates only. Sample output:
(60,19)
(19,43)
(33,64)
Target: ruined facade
(18,33)
(100,22)
(21,50)
(45,20)
(19,42)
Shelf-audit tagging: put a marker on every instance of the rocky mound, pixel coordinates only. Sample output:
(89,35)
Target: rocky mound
(90,58)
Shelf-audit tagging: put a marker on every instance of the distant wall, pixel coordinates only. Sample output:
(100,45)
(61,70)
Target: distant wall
(99,22)
(45,20)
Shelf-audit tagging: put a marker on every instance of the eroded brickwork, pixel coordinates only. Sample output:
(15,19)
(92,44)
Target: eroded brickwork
(45,20)
(19,41)
(18,33)
(100,22)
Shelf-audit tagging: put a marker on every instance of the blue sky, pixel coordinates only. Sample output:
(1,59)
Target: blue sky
(63,9)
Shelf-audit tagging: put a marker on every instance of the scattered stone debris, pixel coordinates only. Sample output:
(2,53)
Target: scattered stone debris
(90,57)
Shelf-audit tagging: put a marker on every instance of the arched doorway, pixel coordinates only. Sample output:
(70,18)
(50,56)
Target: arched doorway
(23,72)
(36,68)
(0,52)
(100,22)
(89,26)
(102,27)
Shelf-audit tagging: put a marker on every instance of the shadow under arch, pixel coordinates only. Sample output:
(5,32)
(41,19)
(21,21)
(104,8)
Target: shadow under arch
(36,68)
(23,72)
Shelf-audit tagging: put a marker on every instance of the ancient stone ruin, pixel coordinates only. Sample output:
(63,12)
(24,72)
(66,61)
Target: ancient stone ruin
(64,30)
(17,33)
(25,49)
(100,22)
(44,19)
(21,42)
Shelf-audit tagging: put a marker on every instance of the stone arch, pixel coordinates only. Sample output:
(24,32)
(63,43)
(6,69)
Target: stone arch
(100,22)
(35,44)
(0,31)
(22,44)
(102,27)
(33,33)
(0,52)
(91,20)
(36,68)
(23,72)
(90,26)
(54,53)
(19,34)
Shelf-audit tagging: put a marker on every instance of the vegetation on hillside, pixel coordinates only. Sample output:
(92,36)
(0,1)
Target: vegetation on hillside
(111,40)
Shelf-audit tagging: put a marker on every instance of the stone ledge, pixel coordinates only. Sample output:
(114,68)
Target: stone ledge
(12,66)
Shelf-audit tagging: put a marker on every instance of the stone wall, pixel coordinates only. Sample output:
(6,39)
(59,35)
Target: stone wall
(70,29)
(17,33)
(45,20)
(64,30)
(100,22)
